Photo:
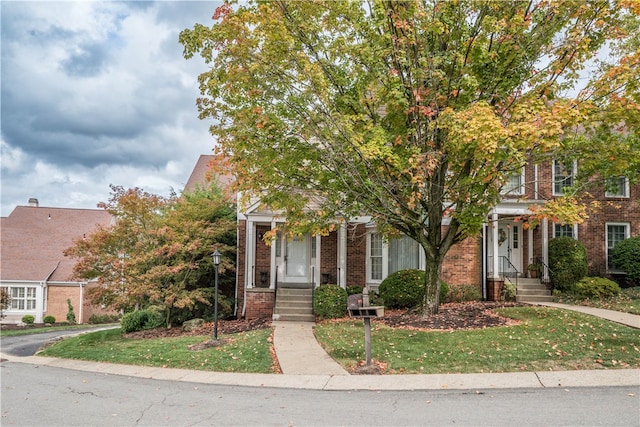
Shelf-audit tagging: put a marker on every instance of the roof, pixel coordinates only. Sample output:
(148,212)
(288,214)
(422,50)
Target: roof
(203,172)
(33,240)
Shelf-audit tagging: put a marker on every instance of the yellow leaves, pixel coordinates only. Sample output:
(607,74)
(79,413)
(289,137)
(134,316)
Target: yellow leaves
(562,210)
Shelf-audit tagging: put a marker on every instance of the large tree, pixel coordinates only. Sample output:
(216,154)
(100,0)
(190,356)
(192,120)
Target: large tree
(414,112)
(158,251)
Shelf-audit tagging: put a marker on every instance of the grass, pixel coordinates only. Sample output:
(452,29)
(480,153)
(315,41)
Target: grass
(627,301)
(243,352)
(545,339)
(28,330)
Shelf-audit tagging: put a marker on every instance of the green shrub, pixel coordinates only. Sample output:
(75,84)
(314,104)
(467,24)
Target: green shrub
(567,262)
(28,319)
(71,316)
(463,293)
(626,257)
(330,301)
(403,289)
(444,291)
(140,320)
(354,289)
(49,320)
(509,291)
(596,287)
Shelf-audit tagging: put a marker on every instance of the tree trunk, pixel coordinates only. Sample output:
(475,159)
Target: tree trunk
(431,299)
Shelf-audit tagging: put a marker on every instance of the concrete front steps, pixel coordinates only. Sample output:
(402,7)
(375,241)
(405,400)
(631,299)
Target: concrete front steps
(532,290)
(294,304)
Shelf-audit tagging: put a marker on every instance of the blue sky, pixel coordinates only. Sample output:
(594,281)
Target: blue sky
(98,93)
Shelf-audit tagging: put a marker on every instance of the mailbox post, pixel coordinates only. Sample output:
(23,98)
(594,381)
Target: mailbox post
(358,306)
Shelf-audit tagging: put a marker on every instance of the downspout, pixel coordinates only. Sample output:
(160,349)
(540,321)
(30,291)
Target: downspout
(80,310)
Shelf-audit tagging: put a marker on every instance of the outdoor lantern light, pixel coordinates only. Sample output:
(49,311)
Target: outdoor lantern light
(216,263)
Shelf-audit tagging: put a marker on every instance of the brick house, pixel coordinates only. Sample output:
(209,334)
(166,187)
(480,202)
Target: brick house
(355,254)
(33,267)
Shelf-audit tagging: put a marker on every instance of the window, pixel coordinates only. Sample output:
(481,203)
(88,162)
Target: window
(375,256)
(617,187)
(278,244)
(514,184)
(403,253)
(23,298)
(615,233)
(562,176)
(563,230)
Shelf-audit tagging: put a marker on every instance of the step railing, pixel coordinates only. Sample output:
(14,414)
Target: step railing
(508,271)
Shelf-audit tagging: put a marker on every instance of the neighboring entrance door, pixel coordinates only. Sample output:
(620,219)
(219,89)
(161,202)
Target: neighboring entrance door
(296,259)
(509,248)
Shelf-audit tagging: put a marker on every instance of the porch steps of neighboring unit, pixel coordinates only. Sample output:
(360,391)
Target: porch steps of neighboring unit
(294,304)
(532,290)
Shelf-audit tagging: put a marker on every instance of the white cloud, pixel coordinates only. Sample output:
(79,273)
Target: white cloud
(97,93)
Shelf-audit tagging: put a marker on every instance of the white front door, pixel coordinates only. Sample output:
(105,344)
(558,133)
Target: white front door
(510,247)
(296,259)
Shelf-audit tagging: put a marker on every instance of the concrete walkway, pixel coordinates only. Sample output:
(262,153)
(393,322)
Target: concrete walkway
(628,319)
(299,353)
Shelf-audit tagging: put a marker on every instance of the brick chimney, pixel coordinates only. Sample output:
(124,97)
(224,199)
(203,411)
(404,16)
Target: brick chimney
(33,202)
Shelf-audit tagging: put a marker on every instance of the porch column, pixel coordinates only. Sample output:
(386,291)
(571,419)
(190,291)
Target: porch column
(495,247)
(250,254)
(530,248)
(342,255)
(545,247)
(316,271)
(272,280)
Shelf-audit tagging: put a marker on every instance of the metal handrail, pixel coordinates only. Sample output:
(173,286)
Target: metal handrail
(505,261)
(546,272)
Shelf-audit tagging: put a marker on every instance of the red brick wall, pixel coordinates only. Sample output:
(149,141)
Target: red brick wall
(463,263)
(263,256)
(260,303)
(57,302)
(356,255)
(601,210)
(329,256)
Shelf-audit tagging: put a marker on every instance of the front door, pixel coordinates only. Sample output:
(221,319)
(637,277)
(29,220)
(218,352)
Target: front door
(509,248)
(296,259)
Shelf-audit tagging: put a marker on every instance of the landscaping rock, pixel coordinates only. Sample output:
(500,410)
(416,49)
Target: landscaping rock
(192,324)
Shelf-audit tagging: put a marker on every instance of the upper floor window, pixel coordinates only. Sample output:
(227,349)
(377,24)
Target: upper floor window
(617,187)
(616,232)
(563,174)
(514,184)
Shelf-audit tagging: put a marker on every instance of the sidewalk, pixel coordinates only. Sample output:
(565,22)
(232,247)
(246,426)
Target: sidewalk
(305,365)
(628,319)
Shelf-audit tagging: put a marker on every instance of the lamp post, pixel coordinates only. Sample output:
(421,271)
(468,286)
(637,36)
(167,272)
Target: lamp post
(216,263)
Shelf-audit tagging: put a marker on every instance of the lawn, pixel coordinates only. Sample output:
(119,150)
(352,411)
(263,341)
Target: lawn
(542,338)
(545,339)
(242,352)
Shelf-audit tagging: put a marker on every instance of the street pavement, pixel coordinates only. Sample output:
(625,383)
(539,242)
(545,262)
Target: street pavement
(305,365)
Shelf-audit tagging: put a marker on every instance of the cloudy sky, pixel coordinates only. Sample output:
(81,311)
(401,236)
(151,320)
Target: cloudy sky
(98,93)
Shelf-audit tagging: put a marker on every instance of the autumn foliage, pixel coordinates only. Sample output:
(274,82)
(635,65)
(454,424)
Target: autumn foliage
(158,251)
(416,112)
